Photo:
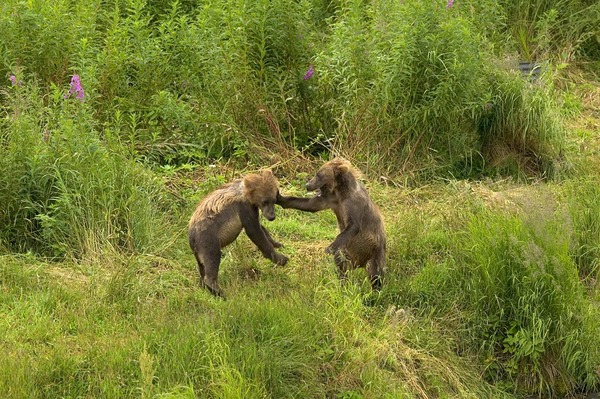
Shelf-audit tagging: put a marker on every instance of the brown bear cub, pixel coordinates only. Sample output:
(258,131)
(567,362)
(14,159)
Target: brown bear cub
(220,217)
(362,233)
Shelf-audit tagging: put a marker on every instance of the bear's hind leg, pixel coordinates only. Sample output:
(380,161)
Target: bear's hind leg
(343,265)
(211,263)
(376,268)
(200,269)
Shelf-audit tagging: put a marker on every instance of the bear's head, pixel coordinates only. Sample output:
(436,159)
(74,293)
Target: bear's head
(261,190)
(334,176)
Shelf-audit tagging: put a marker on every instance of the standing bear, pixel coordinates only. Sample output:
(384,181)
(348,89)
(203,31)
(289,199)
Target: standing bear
(362,233)
(220,217)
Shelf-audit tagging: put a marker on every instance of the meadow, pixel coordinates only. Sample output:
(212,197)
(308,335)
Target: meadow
(117,117)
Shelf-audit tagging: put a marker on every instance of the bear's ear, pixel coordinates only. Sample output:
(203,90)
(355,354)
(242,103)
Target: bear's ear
(340,169)
(343,173)
(267,173)
(268,180)
(340,173)
(251,183)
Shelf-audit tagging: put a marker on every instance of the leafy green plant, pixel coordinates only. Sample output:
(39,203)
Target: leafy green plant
(42,37)
(68,194)
(522,303)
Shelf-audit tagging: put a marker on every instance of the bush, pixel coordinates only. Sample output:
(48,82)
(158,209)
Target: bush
(404,85)
(520,131)
(520,299)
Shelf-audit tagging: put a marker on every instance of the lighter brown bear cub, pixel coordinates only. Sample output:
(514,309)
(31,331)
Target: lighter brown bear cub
(220,217)
(362,233)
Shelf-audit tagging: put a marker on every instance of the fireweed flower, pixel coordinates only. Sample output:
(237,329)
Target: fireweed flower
(309,73)
(75,88)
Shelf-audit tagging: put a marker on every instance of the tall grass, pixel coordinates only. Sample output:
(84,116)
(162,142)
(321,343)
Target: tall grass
(514,288)
(408,82)
(68,193)
(411,76)
(543,29)
(584,197)
(77,336)
(411,82)
(520,131)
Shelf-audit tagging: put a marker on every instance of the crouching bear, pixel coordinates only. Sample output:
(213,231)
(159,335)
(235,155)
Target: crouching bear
(362,233)
(220,217)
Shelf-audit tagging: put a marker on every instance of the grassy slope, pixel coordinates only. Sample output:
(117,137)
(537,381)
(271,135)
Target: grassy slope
(141,327)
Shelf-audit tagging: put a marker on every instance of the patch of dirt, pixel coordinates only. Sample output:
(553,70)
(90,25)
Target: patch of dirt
(533,199)
(68,275)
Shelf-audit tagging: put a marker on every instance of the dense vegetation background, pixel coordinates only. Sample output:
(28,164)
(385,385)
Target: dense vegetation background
(117,116)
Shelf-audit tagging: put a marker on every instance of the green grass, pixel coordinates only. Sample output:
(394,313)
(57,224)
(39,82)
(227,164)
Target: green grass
(140,325)
(308,340)
(488,183)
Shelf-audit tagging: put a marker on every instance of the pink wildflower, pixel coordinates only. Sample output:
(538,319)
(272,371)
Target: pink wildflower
(75,88)
(450,3)
(309,73)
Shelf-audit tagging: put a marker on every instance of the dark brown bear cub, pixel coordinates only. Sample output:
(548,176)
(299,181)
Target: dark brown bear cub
(220,217)
(362,233)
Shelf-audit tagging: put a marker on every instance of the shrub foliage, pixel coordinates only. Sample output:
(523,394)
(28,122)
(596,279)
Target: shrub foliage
(407,81)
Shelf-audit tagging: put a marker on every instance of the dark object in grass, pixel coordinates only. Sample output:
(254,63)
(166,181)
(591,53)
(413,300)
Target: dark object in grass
(530,69)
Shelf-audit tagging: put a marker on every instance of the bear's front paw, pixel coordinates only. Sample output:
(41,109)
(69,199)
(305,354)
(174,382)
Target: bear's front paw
(280,259)
(331,249)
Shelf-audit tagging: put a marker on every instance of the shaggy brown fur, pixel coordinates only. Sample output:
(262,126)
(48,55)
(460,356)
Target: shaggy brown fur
(220,217)
(362,233)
